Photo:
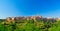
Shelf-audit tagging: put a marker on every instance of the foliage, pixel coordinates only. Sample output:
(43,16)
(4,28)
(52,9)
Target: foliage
(30,25)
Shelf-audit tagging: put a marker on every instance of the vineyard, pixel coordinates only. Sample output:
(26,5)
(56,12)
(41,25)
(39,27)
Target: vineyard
(30,25)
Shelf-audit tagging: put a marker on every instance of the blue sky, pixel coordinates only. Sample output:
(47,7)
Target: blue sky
(45,8)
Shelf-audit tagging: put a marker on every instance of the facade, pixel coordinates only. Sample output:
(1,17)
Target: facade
(38,18)
(9,19)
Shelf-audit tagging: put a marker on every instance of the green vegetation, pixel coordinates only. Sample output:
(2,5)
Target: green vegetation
(30,25)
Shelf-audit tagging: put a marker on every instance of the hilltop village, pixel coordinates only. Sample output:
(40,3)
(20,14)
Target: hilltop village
(30,23)
(38,18)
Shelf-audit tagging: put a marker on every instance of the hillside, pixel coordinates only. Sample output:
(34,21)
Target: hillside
(37,24)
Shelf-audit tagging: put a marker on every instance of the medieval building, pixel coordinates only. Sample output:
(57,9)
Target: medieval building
(38,18)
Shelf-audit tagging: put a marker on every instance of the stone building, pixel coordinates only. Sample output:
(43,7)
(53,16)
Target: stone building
(24,18)
(58,19)
(38,18)
(20,18)
(34,18)
(10,19)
